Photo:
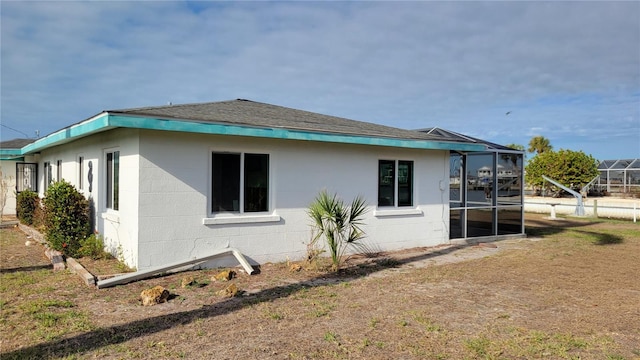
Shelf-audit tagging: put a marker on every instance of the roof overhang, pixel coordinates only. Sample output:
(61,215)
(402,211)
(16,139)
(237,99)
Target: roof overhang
(107,121)
(11,158)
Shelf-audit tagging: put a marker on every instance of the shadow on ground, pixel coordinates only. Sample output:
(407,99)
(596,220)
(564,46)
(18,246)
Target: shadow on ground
(96,339)
(542,228)
(25,269)
(93,340)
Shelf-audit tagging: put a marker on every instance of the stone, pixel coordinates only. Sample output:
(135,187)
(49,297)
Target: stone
(224,275)
(295,267)
(230,291)
(188,281)
(155,295)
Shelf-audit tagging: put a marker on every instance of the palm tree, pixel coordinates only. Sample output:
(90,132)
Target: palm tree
(539,144)
(516,147)
(339,224)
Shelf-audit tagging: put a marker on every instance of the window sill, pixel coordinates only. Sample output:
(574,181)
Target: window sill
(240,219)
(110,216)
(397,212)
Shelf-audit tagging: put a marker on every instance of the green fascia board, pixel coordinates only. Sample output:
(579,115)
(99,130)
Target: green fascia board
(288,134)
(105,121)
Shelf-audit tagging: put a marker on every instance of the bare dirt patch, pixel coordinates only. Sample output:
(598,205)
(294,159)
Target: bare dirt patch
(571,293)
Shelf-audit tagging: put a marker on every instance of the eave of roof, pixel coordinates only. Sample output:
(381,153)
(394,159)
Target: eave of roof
(452,135)
(168,119)
(11,150)
(15,143)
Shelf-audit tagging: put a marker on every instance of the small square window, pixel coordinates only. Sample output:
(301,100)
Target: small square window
(240,182)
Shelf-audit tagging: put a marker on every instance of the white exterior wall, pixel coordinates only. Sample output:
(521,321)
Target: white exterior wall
(8,168)
(175,183)
(118,228)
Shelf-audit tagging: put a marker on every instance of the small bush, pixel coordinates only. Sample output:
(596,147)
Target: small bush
(338,223)
(66,217)
(26,204)
(38,217)
(93,247)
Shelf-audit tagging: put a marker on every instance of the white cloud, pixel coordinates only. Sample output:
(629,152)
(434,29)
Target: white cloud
(454,65)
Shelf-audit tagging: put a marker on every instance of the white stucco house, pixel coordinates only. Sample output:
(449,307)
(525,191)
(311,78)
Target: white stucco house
(171,182)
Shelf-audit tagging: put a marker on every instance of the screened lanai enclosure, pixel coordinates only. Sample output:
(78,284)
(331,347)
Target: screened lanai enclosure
(485,190)
(619,176)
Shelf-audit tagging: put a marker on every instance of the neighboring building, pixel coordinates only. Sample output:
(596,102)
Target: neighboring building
(619,176)
(173,182)
(18,171)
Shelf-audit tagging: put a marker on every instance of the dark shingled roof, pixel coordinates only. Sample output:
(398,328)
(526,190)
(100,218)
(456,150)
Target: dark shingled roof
(15,143)
(255,114)
(454,136)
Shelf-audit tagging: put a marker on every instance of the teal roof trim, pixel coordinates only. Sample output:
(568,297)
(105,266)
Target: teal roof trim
(99,123)
(107,121)
(274,133)
(9,158)
(10,152)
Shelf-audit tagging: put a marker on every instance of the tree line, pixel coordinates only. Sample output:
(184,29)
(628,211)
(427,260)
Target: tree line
(574,169)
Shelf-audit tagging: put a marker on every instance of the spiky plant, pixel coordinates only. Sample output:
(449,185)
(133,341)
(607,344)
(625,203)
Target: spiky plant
(338,223)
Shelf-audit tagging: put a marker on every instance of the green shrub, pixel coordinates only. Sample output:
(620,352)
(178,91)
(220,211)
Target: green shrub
(38,217)
(93,247)
(26,204)
(66,217)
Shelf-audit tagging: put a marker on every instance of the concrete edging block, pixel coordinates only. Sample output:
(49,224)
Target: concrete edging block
(76,268)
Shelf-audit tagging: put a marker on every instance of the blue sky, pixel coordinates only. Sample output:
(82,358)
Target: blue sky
(569,71)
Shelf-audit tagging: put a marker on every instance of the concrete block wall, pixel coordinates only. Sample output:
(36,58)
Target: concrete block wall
(175,183)
(118,228)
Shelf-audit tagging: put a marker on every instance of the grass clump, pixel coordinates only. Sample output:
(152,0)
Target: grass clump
(93,247)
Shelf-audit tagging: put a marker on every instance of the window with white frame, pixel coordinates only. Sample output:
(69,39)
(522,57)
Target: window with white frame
(113,180)
(239,182)
(48,176)
(395,183)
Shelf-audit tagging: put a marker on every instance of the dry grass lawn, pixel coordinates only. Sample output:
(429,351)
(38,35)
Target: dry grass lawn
(569,291)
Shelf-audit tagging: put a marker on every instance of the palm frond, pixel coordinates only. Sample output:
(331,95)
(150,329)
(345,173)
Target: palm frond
(339,224)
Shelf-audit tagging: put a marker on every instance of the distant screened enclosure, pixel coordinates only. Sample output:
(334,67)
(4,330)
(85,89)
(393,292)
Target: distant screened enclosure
(619,176)
(485,190)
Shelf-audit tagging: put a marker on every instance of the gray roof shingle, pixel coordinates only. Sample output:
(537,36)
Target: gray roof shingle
(454,136)
(15,143)
(255,114)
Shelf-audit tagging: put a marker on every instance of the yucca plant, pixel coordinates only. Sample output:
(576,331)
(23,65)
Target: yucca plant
(339,224)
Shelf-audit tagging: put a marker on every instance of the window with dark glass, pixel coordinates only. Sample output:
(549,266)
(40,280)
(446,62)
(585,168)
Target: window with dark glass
(80,171)
(240,182)
(256,182)
(59,170)
(48,179)
(395,181)
(405,183)
(113,180)
(386,182)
